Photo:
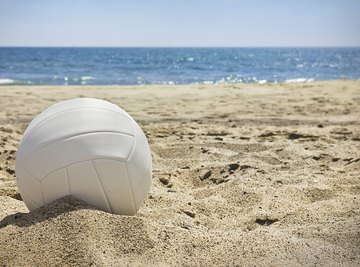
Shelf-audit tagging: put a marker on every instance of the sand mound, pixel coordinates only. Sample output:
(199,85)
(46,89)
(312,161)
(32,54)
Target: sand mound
(70,232)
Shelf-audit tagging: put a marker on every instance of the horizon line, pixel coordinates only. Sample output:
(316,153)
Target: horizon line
(135,46)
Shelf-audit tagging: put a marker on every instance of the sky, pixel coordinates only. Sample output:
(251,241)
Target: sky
(178,23)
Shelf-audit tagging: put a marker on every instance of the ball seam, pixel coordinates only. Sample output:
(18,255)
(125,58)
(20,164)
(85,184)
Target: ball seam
(76,162)
(42,192)
(135,134)
(131,189)
(102,186)
(68,179)
(73,136)
(64,111)
(22,191)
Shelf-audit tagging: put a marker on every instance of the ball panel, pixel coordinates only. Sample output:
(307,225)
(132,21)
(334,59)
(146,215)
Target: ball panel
(30,187)
(113,176)
(73,104)
(136,164)
(80,148)
(73,123)
(55,185)
(85,184)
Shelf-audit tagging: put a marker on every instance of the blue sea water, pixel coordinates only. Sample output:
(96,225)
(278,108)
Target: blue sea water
(62,66)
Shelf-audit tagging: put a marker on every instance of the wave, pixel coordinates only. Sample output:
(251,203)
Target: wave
(7,81)
(73,80)
(299,80)
(231,79)
(87,78)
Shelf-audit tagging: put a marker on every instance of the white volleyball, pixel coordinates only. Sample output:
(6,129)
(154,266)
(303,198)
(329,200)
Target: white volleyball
(88,148)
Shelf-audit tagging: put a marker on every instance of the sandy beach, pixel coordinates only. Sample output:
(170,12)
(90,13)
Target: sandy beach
(243,174)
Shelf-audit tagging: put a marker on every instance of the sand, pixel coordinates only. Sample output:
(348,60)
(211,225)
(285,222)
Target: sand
(243,174)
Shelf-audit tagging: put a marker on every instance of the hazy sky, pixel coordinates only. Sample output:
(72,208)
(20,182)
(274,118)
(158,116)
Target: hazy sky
(180,23)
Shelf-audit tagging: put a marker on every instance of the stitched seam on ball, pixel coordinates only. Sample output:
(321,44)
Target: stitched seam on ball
(18,180)
(73,136)
(133,148)
(33,202)
(33,176)
(64,111)
(68,179)
(42,192)
(147,167)
(131,190)
(102,187)
(147,164)
(76,162)
(23,165)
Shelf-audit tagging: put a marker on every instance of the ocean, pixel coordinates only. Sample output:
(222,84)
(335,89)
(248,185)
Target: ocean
(131,66)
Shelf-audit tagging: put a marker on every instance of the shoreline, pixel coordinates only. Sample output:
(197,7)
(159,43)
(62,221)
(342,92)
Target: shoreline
(243,174)
(258,82)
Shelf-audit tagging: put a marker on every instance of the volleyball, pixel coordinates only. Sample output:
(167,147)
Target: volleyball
(88,148)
